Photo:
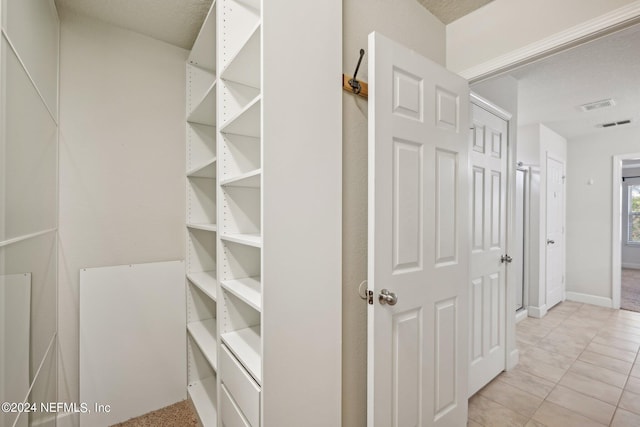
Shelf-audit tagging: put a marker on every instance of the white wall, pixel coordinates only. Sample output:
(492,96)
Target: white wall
(122,162)
(589,207)
(407,22)
(535,142)
(629,254)
(503,26)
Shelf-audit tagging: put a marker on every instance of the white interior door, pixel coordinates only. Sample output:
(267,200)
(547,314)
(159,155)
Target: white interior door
(555,232)
(418,245)
(487,287)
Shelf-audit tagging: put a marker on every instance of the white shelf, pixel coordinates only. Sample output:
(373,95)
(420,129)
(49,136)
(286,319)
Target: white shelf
(204,334)
(204,396)
(203,53)
(205,170)
(206,282)
(248,290)
(249,239)
(253,4)
(205,227)
(244,66)
(204,112)
(246,121)
(246,345)
(249,179)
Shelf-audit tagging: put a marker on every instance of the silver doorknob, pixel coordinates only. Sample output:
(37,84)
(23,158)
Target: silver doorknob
(387,297)
(550,242)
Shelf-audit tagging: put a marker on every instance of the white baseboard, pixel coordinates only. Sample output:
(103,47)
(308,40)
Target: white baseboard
(68,420)
(521,315)
(631,265)
(537,312)
(590,299)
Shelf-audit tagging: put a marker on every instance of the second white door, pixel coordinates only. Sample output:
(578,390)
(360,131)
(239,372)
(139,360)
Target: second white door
(555,232)
(487,288)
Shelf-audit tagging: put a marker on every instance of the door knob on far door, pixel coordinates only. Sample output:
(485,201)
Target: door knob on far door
(387,297)
(550,242)
(505,258)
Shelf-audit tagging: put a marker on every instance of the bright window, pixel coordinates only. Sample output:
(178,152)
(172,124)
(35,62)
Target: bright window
(634,214)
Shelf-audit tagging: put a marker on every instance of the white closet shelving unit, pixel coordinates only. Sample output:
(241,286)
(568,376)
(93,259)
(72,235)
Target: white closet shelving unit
(202,284)
(240,201)
(263,215)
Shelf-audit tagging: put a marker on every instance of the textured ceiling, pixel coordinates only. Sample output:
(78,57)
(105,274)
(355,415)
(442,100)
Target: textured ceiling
(174,21)
(551,90)
(449,11)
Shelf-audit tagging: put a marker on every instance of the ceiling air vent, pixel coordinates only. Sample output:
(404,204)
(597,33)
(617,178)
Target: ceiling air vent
(612,124)
(605,103)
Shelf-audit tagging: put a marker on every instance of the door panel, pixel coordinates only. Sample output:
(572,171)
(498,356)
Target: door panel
(418,248)
(555,232)
(487,283)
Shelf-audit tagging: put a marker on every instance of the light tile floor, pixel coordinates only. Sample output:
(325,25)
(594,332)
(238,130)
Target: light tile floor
(579,367)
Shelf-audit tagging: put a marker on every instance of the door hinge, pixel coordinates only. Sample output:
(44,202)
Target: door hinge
(369,297)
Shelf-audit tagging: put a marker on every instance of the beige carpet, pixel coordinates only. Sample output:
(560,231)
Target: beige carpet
(630,293)
(177,415)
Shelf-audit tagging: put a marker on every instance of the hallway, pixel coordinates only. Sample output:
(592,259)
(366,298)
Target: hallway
(577,368)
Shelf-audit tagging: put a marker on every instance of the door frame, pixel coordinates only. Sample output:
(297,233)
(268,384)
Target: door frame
(524,312)
(616,227)
(512,355)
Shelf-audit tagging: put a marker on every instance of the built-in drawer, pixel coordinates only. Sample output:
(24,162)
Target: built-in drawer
(231,414)
(241,387)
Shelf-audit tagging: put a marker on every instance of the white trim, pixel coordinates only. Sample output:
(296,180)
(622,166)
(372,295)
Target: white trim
(489,106)
(589,299)
(631,265)
(537,312)
(593,28)
(616,226)
(521,315)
